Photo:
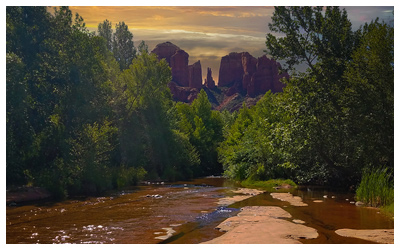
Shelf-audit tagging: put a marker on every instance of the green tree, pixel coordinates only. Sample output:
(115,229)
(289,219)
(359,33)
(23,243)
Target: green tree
(123,48)
(204,129)
(326,103)
(104,30)
(368,101)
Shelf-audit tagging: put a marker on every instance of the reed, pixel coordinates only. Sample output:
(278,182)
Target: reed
(376,188)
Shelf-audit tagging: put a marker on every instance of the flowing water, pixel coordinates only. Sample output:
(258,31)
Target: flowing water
(185,212)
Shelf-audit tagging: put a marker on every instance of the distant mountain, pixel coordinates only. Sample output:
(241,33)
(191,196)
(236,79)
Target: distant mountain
(242,78)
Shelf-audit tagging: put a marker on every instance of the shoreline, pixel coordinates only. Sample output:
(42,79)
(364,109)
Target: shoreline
(274,225)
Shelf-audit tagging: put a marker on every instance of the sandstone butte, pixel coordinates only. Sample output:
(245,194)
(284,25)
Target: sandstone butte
(239,73)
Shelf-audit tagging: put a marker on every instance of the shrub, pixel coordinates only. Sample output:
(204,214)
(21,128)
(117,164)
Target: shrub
(376,188)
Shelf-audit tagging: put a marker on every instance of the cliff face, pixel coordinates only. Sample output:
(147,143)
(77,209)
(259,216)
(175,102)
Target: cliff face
(241,77)
(244,73)
(186,79)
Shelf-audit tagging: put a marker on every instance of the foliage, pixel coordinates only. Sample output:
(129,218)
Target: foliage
(203,127)
(104,29)
(76,124)
(269,185)
(376,188)
(332,121)
(123,48)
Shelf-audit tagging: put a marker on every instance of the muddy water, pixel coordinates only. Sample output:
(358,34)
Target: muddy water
(186,211)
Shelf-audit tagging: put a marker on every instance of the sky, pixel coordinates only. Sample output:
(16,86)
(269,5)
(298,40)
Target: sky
(206,33)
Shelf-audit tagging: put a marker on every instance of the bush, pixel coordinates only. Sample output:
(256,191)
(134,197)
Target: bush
(376,188)
(268,185)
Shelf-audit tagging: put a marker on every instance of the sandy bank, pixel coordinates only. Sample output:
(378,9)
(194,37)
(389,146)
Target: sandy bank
(262,225)
(385,236)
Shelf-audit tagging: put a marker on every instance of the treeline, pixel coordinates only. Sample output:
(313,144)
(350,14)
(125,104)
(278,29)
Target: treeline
(88,112)
(332,122)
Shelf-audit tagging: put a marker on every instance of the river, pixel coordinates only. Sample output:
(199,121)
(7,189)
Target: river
(182,212)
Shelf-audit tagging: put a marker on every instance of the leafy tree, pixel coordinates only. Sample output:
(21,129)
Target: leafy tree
(123,48)
(368,101)
(204,128)
(326,103)
(104,30)
(313,35)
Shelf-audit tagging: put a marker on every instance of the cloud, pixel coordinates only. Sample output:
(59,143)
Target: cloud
(207,33)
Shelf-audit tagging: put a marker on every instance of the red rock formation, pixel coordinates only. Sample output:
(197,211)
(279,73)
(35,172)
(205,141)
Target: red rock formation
(231,69)
(243,72)
(182,94)
(209,82)
(195,75)
(165,50)
(179,68)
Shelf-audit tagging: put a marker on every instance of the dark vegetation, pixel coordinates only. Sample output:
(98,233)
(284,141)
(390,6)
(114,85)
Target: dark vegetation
(87,112)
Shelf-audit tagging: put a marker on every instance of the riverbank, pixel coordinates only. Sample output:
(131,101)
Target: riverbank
(274,225)
(25,194)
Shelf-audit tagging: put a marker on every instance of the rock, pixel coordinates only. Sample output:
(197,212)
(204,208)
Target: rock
(325,196)
(179,68)
(385,236)
(293,200)
(209,82)
(195,75)
(359,203)
(318,201)
(262,225)
(231,69)
(298,221)
(165,50)
(243,72)
(182,94)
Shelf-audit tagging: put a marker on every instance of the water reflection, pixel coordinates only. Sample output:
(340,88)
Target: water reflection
(187,212)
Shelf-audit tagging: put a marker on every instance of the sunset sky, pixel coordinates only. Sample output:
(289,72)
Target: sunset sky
(206,33)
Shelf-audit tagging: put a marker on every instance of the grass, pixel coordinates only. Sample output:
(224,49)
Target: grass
(377,189)
(268,185)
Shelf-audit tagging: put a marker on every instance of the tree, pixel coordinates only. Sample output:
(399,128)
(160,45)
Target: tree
(312,37)
(204,129)
(368,101)
(104,30)
(326,103)
(123,48)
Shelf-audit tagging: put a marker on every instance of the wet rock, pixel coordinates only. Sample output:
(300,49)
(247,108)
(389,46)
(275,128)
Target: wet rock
(318,201)
(385,236)
(298,221)
(359,203)
(262,225)
(293,200)
(169,233)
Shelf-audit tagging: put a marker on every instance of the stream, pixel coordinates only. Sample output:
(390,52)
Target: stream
(177,213)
